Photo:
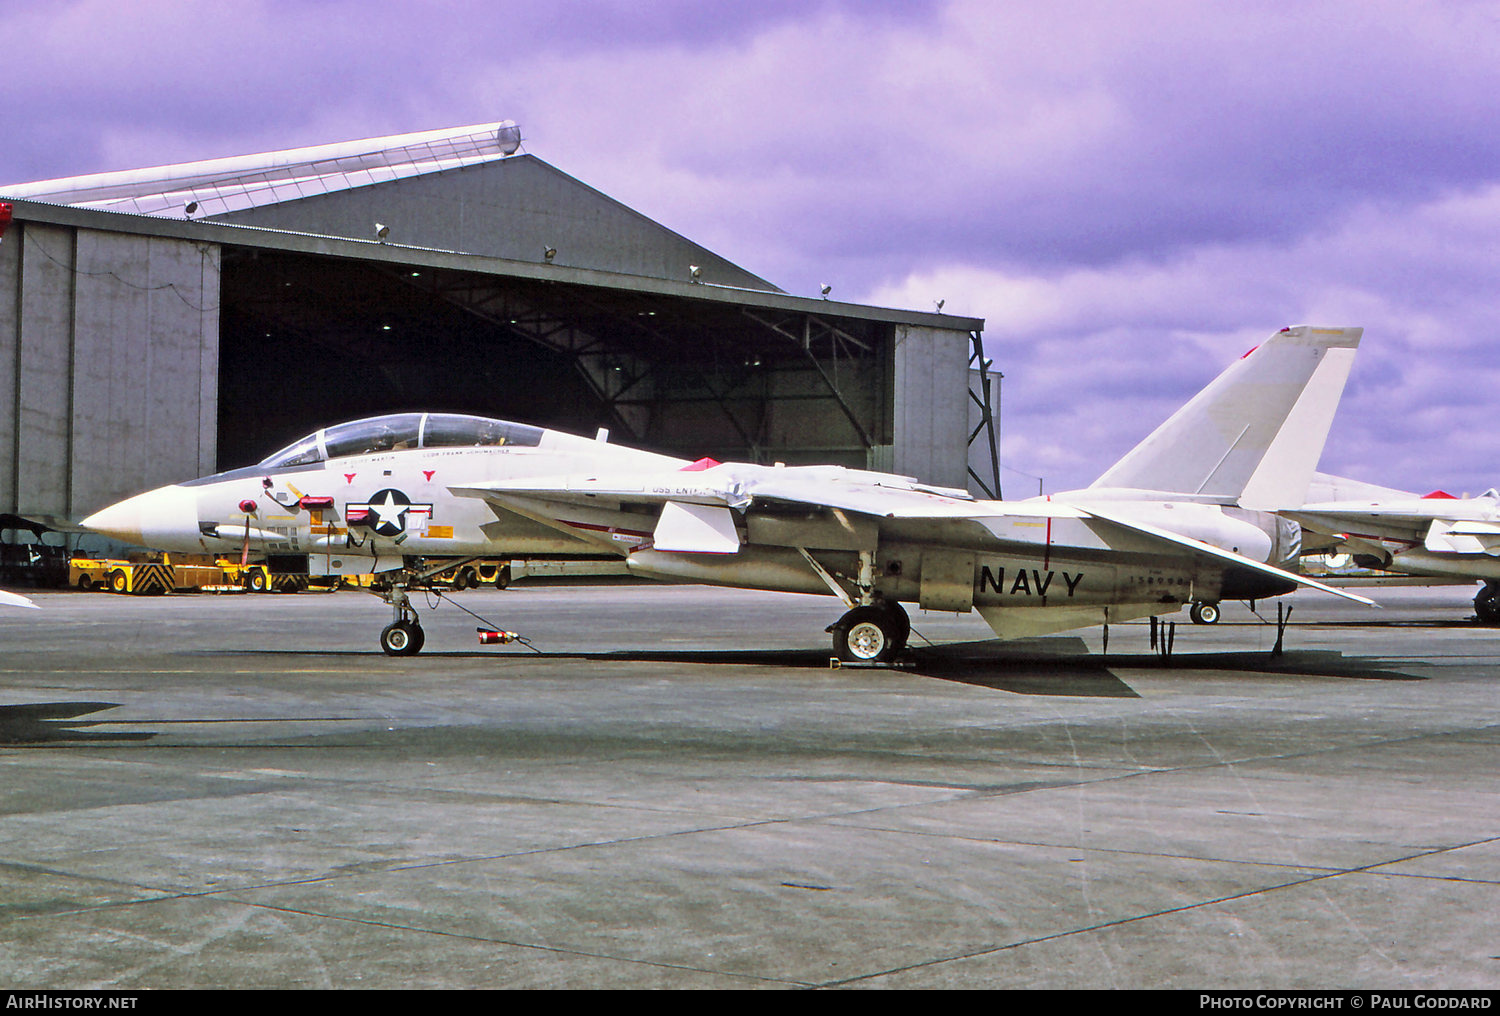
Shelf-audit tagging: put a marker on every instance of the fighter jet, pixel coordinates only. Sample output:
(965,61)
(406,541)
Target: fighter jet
(1170,524)
(1433,534)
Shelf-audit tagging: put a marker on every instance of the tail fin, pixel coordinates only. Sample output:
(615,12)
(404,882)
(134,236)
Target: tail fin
(1255,434)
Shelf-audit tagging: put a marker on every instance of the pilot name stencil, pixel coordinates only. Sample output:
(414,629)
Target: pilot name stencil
(1031,583)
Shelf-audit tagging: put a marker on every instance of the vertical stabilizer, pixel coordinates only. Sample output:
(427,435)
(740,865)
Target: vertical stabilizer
(1255,434)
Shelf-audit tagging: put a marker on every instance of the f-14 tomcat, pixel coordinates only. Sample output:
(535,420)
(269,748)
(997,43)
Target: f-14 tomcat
(1175,522)
(1435,534)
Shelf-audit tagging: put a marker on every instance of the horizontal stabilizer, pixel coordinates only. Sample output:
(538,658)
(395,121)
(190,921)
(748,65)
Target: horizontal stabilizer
(1209,550)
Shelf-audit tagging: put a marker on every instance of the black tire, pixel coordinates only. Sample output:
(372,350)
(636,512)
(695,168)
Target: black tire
(118,583)
(902,622)
(256,581)
(1204,613)
(85,583)
(869,634)
(403,638)
(1487,604)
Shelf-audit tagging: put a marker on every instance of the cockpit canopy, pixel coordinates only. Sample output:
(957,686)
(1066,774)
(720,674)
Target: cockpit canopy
(402,431)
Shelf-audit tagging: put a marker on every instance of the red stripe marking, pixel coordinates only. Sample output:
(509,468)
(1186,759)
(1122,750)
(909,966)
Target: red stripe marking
(1047,554)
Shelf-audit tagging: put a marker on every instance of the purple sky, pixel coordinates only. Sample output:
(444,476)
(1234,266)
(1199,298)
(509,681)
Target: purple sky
(1131,194)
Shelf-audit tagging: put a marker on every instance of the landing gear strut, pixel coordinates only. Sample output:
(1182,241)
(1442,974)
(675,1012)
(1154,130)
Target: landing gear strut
(871,634)
(1487,603)
(403,636)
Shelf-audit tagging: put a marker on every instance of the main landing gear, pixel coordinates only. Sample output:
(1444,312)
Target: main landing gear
(1203,612)
(871,634)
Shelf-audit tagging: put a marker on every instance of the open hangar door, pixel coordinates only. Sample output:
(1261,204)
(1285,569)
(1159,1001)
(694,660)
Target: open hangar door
(307,340)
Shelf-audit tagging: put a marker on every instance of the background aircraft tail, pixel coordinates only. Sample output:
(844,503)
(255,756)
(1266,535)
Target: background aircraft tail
(1255,434)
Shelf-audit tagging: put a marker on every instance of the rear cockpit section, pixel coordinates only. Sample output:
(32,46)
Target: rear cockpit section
(402,431)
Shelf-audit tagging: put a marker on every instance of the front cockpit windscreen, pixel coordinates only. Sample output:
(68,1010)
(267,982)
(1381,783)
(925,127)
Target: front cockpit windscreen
(367,437)
(403,431)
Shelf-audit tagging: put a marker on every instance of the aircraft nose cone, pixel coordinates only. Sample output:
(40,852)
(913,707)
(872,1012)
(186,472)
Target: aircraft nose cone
(121,520)
(164,519)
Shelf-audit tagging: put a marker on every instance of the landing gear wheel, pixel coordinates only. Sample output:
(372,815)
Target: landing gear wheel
(1487,604)
(870,634)
(404,638)
(1204,613)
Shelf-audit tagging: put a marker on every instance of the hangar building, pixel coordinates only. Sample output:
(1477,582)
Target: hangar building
(160,324)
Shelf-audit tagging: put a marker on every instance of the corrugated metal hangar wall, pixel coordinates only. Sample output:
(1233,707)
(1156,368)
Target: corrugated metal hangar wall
(139,350)
(108,363)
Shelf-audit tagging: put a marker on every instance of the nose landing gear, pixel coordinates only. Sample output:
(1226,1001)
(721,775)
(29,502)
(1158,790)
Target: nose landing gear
(403,636)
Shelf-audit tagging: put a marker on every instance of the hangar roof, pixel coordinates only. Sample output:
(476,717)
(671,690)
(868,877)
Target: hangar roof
(539,271)
(458,198)
(462,189)
(215,186)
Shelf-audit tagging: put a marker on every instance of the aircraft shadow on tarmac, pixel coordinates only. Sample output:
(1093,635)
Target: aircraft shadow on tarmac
(1054,666)
(40,722)
(1061,666)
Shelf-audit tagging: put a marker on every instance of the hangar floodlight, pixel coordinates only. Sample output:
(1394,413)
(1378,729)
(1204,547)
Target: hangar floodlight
(549,253)
(382,231)
(192,206)
(695,273)
(939,305)
(825,290)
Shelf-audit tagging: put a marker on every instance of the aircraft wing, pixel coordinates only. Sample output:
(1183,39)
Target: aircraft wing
(875,494)
(696,508)
(1209,550)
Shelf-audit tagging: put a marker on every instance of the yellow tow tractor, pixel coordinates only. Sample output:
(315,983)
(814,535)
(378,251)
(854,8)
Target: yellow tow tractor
(141,577)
